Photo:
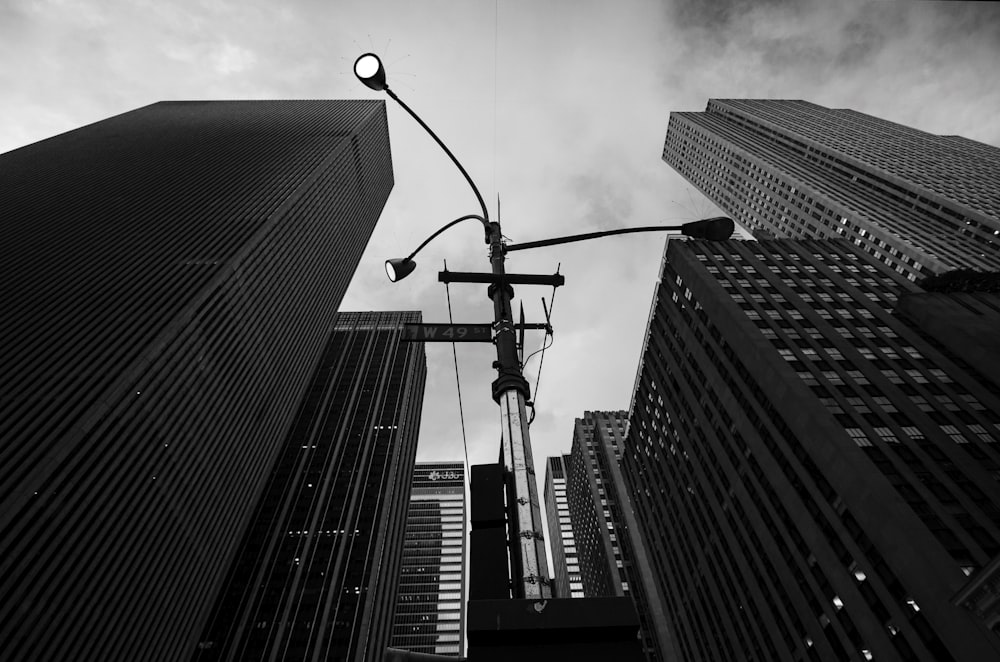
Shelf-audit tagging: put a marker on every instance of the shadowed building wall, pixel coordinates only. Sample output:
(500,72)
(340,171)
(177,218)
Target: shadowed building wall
(612,551)
(317,573)
(816,478)
(169,280)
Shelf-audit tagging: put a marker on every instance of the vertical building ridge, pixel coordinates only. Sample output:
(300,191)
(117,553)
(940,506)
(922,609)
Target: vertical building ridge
(613,560)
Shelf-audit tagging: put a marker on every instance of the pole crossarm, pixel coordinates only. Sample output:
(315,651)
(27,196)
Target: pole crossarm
(555,280)
(589,235)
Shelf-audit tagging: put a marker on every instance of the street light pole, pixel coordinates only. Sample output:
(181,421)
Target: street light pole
(510,389)
(529,564)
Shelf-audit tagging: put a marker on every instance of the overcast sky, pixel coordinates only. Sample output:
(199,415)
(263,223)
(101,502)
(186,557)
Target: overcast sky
(560,107)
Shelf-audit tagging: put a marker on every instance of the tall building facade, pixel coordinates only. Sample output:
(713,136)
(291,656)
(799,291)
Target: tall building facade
(922,204)
(593,507)
(317,573)
(816,477)
(154,267)
(612,557)
(565,558)
(430,610)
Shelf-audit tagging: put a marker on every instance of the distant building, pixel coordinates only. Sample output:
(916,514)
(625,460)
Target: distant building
(920,203)
(816,477)
(317,572)
(430,610)
(591,499)
(565,562)
(170,277)
(612,555)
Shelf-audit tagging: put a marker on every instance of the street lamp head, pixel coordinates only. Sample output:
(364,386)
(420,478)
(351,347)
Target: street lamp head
(399,268)
(719,228)
(369,70)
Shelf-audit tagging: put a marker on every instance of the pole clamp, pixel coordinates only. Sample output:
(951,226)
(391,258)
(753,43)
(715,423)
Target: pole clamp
(537,579)
(510,380)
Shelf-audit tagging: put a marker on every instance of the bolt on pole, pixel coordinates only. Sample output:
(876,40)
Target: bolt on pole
(510,390)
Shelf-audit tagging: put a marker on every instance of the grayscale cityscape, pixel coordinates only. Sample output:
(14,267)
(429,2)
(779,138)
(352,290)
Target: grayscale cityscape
(414,330)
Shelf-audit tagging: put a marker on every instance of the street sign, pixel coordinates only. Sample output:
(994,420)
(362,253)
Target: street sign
(447,333)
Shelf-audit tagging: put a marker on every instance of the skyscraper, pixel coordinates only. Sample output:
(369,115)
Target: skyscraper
(922,204)
(317,573)
(565,558)
(430,610)
(612,552)
(815,476)
(169,278)
(591,495)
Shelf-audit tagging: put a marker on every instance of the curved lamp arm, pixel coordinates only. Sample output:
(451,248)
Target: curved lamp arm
(370,71)
(400,267)
(445,227)
(485,218)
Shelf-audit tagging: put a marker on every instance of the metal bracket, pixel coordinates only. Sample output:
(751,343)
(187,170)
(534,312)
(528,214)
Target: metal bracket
(537,579)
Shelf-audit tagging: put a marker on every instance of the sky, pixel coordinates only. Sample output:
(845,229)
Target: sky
(559,108)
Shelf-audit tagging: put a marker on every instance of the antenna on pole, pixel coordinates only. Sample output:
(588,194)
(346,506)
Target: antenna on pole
(520,337)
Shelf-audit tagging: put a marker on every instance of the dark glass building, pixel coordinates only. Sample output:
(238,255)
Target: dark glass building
(565,558)
(920,203)
(316,575)
(430,611)
(816,478)
(612,552)
(169,280)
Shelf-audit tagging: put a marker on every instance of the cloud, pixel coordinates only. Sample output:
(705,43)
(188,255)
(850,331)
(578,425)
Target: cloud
(229,58)
(583,93)
(603,202)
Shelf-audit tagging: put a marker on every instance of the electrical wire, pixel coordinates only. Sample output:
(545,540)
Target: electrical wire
(541,360)
(541,350)
(496,39)
(458,384)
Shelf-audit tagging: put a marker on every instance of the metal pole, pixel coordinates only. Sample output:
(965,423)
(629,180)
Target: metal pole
(510,390)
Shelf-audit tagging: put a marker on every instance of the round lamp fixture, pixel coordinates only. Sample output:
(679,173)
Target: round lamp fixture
(369,70)
(399,268)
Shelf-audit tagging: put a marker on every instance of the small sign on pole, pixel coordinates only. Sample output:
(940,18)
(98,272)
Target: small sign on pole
(448,333)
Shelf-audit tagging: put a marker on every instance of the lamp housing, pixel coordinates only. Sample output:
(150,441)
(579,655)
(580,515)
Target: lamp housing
(369,70)
(719,228)
(399,268)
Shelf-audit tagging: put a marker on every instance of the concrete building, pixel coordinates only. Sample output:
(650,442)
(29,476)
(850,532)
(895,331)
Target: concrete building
(612,552)
(430,609)
(920,203)
(565,561)
(815,475)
